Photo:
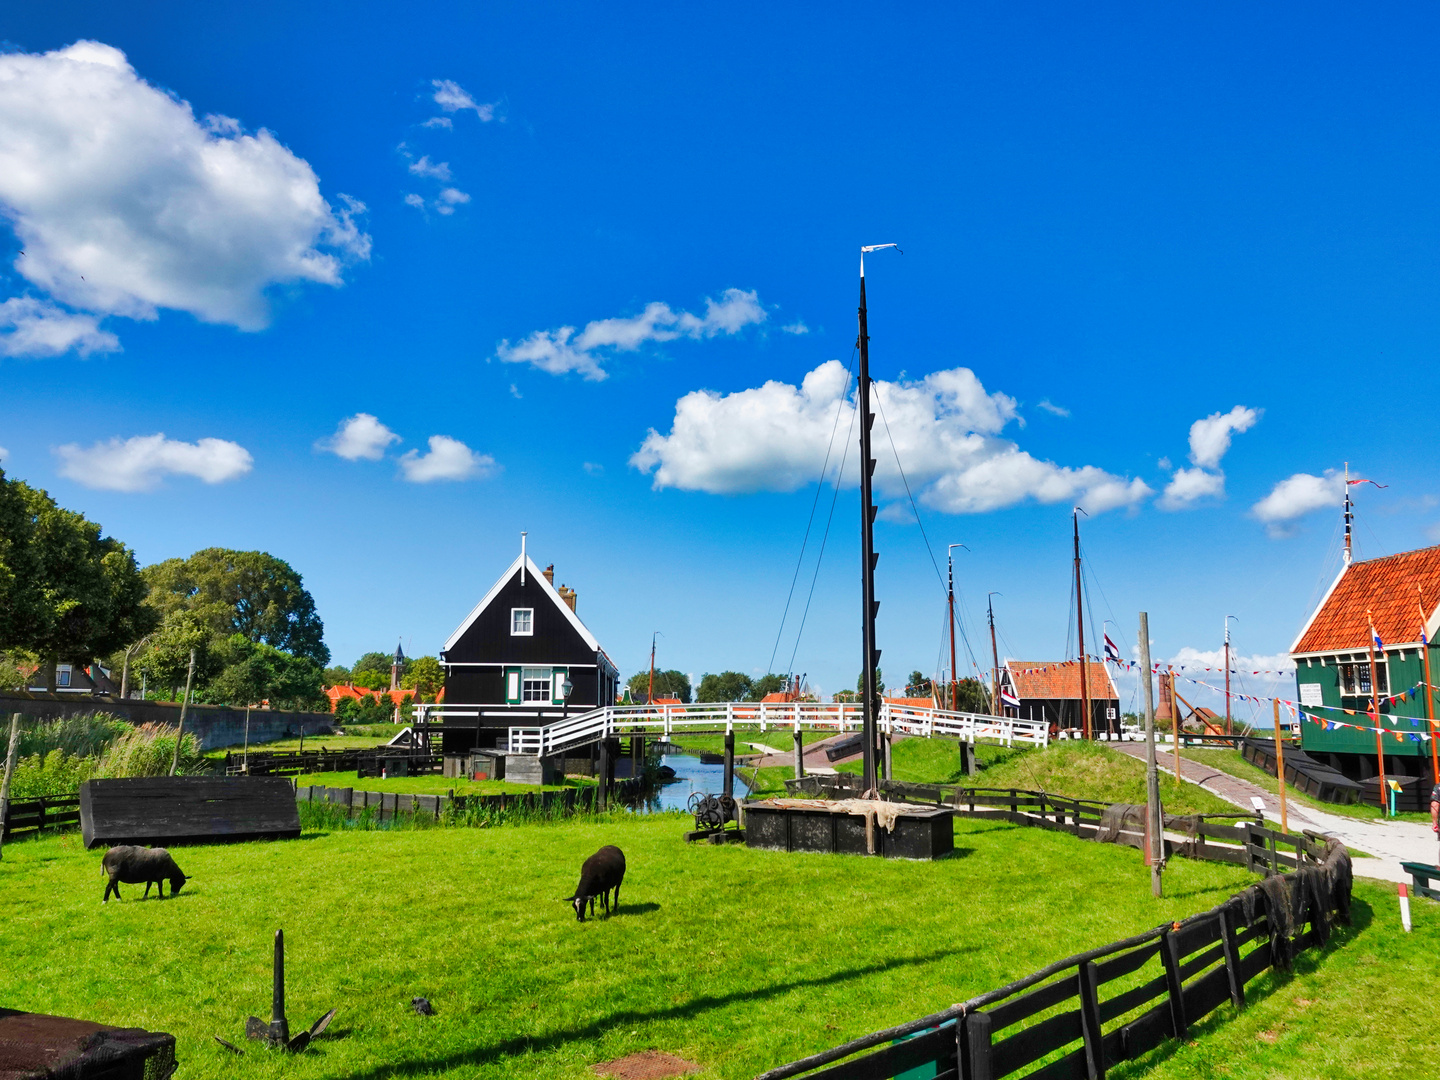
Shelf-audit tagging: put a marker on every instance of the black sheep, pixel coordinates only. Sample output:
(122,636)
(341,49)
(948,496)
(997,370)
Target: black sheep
(132,865)
(599,874)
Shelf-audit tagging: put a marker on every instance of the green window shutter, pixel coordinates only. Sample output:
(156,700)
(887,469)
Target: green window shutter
(512,686)
(557,685)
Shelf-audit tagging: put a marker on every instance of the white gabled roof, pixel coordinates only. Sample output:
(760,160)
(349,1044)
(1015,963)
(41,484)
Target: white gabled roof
(544,583)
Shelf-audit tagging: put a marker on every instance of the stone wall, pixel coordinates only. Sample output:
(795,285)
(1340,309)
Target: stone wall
(214,725)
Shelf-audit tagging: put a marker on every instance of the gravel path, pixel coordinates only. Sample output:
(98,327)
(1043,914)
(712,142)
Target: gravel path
(1389,841)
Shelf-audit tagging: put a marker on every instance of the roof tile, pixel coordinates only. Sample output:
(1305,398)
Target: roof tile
(1387,587)
(1059,679)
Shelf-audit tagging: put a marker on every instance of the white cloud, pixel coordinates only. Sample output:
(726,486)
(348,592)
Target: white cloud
(447,200)
(1189,485)
(448,459)
(1191,657)
(439,122)
(1053,409)
(515,392)
(1210,437)
(796,327)
(559,351)
(125,203)
(434,170)
(30,327)
(451,97)
(3,454)
(139,463)
(1297,496)
(1209,442)
(361,436)
(417,201)
(945,429)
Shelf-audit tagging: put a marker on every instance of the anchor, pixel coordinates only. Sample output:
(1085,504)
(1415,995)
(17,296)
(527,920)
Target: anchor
(277,1031)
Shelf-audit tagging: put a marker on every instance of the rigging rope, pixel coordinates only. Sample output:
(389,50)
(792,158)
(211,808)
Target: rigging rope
(819,487)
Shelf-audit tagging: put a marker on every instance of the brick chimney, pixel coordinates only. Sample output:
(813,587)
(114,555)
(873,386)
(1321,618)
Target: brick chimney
(550,573)
(568,595)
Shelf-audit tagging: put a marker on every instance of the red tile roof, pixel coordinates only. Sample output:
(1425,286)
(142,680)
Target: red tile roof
(1388,588)
(1059,679)
(913,702)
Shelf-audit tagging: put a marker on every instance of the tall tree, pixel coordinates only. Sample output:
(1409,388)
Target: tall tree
(424,674)
(66,591)
(372,671)
(726,686)
(674,684)
(252,672)
(242,592)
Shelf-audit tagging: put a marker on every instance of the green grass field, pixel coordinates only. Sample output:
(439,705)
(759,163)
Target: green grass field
(313,742)
(734,958)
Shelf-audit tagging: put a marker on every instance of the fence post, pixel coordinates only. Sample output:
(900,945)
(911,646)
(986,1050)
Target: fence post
(1232,957)
(1171,961)
(9,768)
(977,1032)
(1090,1021)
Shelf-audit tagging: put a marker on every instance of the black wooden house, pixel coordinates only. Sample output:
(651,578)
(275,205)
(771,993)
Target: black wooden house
(512,657)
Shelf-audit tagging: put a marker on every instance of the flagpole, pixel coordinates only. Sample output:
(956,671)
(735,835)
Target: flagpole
(1375,713)
(1280,769)
(1429,690)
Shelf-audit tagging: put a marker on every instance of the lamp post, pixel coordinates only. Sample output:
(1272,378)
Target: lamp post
(566,688)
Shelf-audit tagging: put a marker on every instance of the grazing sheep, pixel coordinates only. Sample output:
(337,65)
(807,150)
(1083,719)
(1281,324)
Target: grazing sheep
(132,865)
(601,872)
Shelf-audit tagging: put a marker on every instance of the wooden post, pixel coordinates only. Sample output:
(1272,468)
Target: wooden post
(730,764)
(977,1035)
(184,706)
(1375,717)
(1090,1021)
(1231,951)
(1171,962)
(887,737)
(1280,768)
(1429,690)
(799,755)
(1154,820)
(246,766)
(602,791)
(9,768)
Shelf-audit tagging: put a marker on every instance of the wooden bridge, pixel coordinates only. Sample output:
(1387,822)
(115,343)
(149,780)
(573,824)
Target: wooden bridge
(621,721)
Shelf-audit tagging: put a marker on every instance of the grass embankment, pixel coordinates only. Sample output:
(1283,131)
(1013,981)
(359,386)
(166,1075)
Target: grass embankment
(432,785)
(735,958)
(782,739)
(1230,761)
(312,742)
(1078,769)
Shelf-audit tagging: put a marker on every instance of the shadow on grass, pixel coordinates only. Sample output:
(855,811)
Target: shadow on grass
(636,909)
(483,1055)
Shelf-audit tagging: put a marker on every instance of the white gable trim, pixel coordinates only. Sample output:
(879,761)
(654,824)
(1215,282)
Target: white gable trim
(1316,613)
(544,583)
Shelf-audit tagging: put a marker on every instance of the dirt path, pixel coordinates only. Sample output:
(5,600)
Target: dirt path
(1391,842)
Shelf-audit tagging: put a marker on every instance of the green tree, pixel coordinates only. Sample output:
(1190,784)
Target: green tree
(845,696)
(766,684)
(726,686)
(253,672)
(674,684)
(242,592)
(918,684)
(972,696)
(372,670)
(336,675)
(425,675)
(66,592)
(879,682)
(165,659)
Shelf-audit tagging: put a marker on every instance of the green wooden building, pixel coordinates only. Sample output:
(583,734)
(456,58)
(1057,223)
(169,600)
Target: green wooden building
(1400,595)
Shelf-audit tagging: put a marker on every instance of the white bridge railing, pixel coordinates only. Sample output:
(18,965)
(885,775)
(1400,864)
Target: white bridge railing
(610,721)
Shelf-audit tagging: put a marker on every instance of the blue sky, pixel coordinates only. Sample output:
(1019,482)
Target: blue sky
(1117,221)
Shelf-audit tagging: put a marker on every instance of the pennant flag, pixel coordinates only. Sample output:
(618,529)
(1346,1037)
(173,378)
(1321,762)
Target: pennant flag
(1007,697)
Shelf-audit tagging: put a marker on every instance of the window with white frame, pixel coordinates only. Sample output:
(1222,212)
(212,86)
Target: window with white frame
(522,622)
(535,684)
(1355,679)
(62,675)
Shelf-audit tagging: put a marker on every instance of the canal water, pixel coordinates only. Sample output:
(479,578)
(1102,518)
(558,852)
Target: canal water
(691,775)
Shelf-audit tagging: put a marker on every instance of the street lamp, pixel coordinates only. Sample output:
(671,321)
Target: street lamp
(565,689)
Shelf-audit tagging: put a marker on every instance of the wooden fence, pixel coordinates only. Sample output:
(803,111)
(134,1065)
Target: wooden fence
(387,804)
(49,812)
(302,762)
(1093,1011)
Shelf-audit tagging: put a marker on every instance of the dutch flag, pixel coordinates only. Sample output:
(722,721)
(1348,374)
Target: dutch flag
(1007,697)
(1111,652)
